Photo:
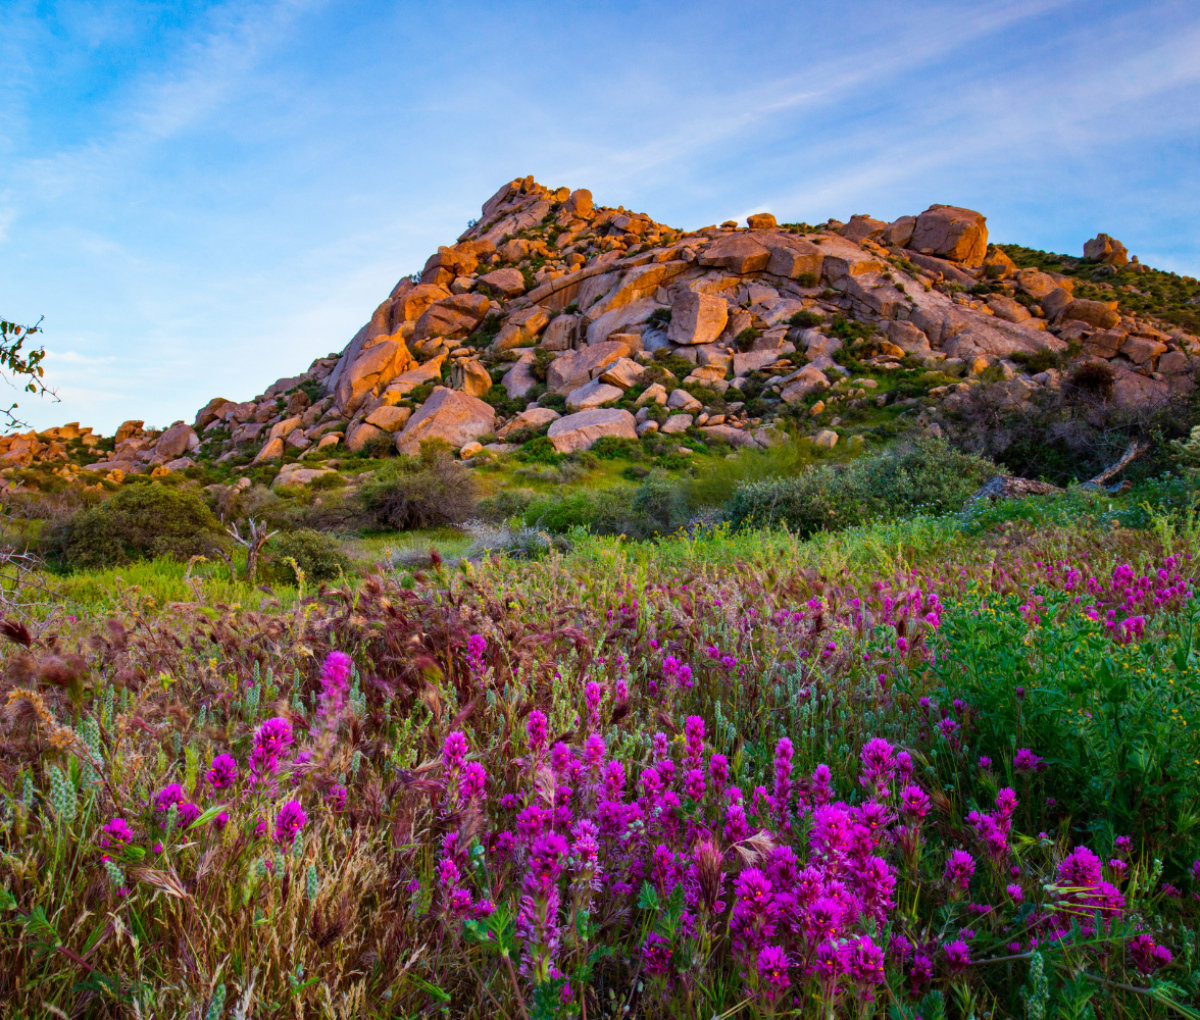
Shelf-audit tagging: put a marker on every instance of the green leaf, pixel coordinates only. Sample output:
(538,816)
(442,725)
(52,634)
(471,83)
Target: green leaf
(648,900)
(7,900)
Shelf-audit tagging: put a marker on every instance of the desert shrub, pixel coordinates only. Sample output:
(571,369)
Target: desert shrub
(745,339)
(614,448)
(138,522)
(808,279)
(554,401)
(540,451)
(508,502)
(320,556)
(427,491)
(806,319)
(376,448)
(660,318)
(925,476)
(602,511)
(1070,434)
(659,505)
(419,394)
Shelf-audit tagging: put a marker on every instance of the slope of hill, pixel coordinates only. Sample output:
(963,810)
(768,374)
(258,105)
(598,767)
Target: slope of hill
(551,316)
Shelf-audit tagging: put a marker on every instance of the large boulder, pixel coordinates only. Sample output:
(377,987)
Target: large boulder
(371,372)
(1103,248)
(450,415)
(738,253)
(389,418)
(1094,313)
(579,431)
(410,305)
(455,316)
(469,376)
(800,384)
(519,381)
(792,256)
(578,204)
(560,334)
(530,418)
(861,227)
(505,282)
(697,318)
(593,394)
(416,376)
(957,233)
(214,410)
(521,329)
(570,371)
(177,440)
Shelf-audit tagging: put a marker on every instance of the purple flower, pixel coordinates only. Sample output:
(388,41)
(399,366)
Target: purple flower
(454,750)
(289,822)
(187,813)
(914,802)
(1027,761)
(656,954)
(117,830)
(473,785)
(1015,893)
(773,966)
(864,963)
(223,773)
(335,681)
(337,798)
(274,736)
(535,727)
(985,762)
(170,794)
(958,956)
(960,866)
(878,765)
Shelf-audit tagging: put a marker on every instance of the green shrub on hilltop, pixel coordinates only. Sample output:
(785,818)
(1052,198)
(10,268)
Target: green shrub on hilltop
(139,522)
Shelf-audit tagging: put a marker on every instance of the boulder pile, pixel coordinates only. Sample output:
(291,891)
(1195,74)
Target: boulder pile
(547,295)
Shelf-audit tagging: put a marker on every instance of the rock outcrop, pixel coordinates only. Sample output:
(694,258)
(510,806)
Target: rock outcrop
(549,293)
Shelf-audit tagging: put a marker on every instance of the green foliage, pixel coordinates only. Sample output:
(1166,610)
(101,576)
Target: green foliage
(427,491)
(540,451)
(613,448)
(140,521)
(927,476)
(554,401)
(660,318)
(321,557)
(806,319)
(26,368)
(745,339)
(1119,724)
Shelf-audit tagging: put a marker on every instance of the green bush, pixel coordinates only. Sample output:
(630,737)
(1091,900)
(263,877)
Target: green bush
(139,522)
(540,451)
(320,556)
(506,503)
(429,491)
(602,511)
(926,476)
(554,401)
(614,448)
(806,319)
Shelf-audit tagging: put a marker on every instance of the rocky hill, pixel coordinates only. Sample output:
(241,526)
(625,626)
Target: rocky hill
(552,316)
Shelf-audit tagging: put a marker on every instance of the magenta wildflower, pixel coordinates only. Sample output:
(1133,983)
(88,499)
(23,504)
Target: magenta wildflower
(170,794)
(223,773)
(656,954)
(117,830)
(914,802)
(1027,761)
(335,682)
(454,750)
(960,866)
(535,727)
(289,822)
(773,966)
(958,956)
(337,798)
(274,736)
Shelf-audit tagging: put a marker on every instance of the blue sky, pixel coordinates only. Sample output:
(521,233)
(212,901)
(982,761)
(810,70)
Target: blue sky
(200,198)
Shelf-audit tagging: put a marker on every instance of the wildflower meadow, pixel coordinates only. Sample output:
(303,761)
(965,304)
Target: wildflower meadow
(905,771)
